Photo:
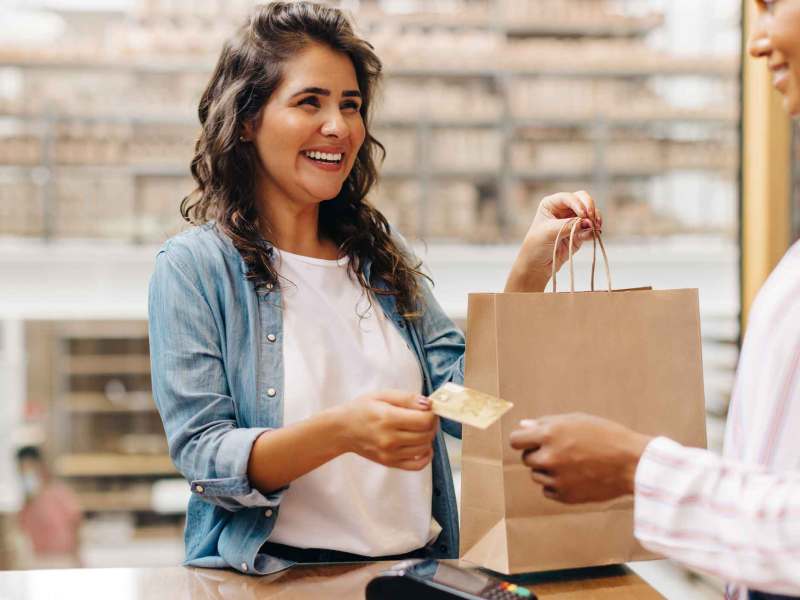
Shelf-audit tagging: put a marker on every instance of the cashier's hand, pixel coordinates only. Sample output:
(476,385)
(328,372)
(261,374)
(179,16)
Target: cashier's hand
(393,428)
(580,458)
(534,263)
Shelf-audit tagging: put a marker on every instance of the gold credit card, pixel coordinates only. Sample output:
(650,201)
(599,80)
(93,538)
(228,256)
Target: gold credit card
(468,406)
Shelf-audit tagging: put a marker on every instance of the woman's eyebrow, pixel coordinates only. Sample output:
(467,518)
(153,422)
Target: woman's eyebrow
(323,92)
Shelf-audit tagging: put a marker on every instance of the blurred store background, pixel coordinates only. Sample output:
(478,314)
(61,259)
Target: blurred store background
(488,106)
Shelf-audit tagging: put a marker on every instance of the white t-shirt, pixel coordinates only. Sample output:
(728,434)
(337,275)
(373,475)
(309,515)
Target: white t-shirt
(336,348)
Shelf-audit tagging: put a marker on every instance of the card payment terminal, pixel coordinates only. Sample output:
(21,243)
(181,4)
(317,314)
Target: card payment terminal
(428,579)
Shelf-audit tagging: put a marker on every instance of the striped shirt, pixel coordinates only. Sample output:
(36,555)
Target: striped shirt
(738,516)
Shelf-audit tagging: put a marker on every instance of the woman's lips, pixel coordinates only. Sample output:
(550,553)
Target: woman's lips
(780,78)
(324,166)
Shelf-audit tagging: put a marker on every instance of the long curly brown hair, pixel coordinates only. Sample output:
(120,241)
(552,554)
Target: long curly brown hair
(247,73)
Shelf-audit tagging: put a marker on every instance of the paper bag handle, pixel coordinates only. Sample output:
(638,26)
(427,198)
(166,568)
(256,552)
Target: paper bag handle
(596,237)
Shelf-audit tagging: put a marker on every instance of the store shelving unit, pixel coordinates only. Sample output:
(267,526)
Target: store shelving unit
(107,438)
(140,150)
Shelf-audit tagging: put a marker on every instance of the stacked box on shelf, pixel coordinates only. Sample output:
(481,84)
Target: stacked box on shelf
(399,201)
(469,151)
(90,143)
(93,204)
(159,199)
(23,149)
(163,145)
(432,100)
(22,211)
(401,149)
(453,213)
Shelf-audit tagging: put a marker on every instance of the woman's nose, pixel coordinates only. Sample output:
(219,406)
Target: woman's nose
(759,44)
(335,126)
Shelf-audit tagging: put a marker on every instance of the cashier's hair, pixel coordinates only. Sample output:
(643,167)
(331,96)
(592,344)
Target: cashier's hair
(247,73)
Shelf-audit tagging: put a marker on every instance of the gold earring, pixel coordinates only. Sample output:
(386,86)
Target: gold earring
(242,138)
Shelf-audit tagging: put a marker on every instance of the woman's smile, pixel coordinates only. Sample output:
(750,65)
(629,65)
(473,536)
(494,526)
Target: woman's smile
(325,158)
(780,77)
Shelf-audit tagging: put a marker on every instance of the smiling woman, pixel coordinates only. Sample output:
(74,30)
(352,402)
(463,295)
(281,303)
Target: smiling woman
(308,137)
(292,333)
(775,40)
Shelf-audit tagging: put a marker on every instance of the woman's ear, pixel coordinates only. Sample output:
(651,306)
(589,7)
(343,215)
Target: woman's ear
(248,131)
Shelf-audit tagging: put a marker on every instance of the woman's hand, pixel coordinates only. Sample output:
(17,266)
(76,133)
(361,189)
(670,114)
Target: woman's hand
(393,428)
(534,263)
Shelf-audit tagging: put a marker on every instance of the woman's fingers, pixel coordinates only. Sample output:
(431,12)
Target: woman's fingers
(564,205)
(577,204)
(588,203)
(412,452)
(415,464)
(404,439)
(418,421)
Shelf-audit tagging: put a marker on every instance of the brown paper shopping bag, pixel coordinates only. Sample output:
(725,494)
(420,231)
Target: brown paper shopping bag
(632,356)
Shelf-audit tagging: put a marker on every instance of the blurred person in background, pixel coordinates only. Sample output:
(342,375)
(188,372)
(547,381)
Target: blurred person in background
(50,516)
(293,333)
(736,516)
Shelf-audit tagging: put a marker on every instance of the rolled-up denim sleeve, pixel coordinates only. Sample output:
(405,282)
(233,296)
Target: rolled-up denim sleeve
(190,388)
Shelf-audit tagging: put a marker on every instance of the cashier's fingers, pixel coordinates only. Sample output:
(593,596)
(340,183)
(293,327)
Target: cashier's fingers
(552,493)
(527,437)
(543,478)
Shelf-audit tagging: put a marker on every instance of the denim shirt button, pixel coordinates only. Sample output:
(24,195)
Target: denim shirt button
(271,337)
(437,492)
(401,324)
(244,567)
(268,512)
(269,286)
(199,489)
(271,392)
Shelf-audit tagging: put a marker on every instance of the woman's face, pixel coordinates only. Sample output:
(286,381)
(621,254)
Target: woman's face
(776,38)
(310,130)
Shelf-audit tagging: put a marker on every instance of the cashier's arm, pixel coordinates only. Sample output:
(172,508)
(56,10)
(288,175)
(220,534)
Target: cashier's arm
(735,521)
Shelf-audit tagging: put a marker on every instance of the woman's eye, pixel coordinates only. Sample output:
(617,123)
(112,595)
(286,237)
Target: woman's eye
(310,101)
(351,106)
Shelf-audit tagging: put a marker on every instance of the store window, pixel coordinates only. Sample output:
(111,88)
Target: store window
(488,106)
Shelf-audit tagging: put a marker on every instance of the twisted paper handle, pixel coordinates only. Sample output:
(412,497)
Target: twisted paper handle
(596,237)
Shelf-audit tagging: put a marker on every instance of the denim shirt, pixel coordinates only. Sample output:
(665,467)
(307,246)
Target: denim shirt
(216,348)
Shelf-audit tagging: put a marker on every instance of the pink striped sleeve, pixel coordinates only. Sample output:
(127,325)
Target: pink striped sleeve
(738,522)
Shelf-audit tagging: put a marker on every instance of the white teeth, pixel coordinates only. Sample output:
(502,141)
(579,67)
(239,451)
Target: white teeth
(330,157)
